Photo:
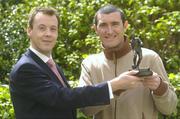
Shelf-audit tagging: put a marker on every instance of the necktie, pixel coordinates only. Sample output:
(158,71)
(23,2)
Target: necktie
(53,67)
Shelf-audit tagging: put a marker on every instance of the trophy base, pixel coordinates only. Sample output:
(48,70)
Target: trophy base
(144,72)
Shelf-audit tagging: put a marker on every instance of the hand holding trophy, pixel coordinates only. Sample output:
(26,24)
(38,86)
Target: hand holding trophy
(136,45)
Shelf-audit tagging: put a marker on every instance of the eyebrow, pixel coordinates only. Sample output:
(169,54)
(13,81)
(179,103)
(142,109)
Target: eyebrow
(110,22)
(45,25)
(115,22)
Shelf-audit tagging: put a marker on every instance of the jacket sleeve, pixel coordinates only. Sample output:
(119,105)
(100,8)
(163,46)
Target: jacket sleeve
(86,79)
(31,82)
(166,103)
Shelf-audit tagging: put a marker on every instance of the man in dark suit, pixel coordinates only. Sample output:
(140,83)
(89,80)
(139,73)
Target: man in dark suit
(39,93)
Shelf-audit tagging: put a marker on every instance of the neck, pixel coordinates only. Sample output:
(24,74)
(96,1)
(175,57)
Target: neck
(118,51)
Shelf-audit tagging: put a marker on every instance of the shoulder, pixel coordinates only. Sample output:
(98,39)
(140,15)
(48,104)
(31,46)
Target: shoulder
(151,55)
(93,59)
(23,63)
(24,60)
(149,52)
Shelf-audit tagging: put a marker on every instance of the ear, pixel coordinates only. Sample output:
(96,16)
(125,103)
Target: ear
(94,27)
(125,25)
(29,30)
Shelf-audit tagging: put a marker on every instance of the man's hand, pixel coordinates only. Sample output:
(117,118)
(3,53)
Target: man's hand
(152,82)
(156,84)
(126,81)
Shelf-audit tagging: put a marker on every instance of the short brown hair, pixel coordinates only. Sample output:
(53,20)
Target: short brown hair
(45,10)
(107,9)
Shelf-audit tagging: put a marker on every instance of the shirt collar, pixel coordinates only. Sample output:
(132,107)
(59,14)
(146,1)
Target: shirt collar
(40,55)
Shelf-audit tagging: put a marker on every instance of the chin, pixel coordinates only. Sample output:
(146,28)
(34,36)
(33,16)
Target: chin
(47,50)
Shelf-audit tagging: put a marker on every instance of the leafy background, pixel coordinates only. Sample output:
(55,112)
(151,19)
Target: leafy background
(155,21)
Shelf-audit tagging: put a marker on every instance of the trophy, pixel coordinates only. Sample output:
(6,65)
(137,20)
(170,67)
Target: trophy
(136,45)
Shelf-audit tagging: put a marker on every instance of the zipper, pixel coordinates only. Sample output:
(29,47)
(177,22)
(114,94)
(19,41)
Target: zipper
(115,75)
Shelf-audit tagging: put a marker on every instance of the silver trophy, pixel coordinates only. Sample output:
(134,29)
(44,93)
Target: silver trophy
(136,45)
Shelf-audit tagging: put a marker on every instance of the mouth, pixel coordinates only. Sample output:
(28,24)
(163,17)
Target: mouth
(110,37)
(46,42)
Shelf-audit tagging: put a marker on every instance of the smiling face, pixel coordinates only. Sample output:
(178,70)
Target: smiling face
(110,29)
(43,35)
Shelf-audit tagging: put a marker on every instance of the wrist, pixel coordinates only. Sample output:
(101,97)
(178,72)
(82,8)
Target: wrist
(162,88)
(114,84)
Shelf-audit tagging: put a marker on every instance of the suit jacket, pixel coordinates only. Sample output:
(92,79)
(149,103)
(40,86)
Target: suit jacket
(37,93)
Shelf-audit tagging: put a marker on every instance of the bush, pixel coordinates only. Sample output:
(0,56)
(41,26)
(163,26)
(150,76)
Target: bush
(6,108)
(155,22)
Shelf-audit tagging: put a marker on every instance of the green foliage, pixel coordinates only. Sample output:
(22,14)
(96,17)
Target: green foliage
(6,108)
(155,21)
(175,80)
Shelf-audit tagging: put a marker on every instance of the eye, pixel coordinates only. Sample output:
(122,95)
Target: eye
(42,28)
(115,24)
(53,29)
(102,25)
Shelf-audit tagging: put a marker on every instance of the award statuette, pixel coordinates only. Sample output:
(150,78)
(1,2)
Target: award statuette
(136,45)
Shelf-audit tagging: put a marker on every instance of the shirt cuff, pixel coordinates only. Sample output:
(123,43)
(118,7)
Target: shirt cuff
(111,96)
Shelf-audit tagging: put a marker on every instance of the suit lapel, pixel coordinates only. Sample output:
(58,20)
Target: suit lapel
(44,67)
(62,75)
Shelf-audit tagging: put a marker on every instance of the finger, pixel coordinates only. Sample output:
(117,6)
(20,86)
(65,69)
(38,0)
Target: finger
(135,84)
(133,72)
(136,78)
(152,76)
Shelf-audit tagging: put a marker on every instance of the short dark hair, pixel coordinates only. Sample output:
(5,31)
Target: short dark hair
(107,9)
(45,10)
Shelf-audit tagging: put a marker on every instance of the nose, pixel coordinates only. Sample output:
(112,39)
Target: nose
(48,32)
(109,30)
